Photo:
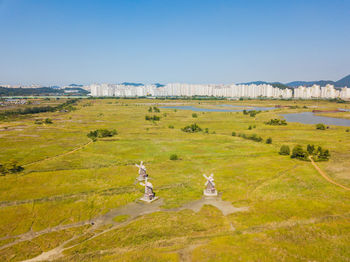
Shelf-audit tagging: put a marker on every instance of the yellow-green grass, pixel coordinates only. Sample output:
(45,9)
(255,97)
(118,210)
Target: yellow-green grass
(283,195)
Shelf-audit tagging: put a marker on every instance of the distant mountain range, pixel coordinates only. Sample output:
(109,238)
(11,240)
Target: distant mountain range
(340,83)
(274,84)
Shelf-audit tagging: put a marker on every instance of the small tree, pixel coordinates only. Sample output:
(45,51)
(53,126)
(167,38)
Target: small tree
(194,115)
(250,128)
(48,121)
(269,140)
(233,134)
(320,126)
(284,150)
(150,109)
(171,126)
(10,167)
(192,128)
(174,157)
(310,149)
(299,153)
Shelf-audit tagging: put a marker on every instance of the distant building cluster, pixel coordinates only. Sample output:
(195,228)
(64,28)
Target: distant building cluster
(177,90)
(121,90)
(229,91)
(322,92)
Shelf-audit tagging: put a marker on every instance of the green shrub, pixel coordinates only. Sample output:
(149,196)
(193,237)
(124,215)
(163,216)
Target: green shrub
(320,154)
(310,149)
(253,137)
(299,153)
(192,128)
(233,134)
(194,115)
(269,140)
(171,126)
(10,167)
(276,122)
(252,113)
(284,150)
(100,133)
(48,121)
(174,157)
(152,118)
(320,126)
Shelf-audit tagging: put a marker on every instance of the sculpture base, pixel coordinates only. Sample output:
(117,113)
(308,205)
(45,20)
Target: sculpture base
(206,193)
(141,178)
(146,199)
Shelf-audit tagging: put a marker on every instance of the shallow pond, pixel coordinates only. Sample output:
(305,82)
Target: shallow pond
(311,118)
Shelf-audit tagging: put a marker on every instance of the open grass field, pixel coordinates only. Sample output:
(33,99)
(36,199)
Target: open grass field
(64,205)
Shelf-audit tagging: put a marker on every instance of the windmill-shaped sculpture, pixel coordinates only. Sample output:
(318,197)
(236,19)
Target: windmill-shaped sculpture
(210,186)
(149,195)
(142,172)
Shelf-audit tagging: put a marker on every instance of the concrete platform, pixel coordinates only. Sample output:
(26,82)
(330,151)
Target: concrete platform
(210,194)
(147,199)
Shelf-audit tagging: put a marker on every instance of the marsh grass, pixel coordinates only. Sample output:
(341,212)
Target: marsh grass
(99,177)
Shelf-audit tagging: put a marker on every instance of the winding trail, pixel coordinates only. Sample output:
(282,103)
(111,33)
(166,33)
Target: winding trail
(323,174)
(134,210)
(67,153)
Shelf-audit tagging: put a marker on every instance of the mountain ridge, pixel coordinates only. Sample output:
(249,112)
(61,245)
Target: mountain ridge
(345,81)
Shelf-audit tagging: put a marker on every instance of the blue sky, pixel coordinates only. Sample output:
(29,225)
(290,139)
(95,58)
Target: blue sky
(205,41)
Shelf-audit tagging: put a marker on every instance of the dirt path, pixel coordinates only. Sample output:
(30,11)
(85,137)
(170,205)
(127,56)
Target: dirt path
(67,153)
(323,174)
(185,254)
(133,210)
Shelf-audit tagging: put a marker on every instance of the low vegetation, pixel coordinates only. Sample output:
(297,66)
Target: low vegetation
(174,157)
(318,154)
(194,128)
(100,133)
(66,107)
(284,150)
(41,121)
(10,167)
(154,109)
(276,122)
(291,213)
(320,126)
(251,113)
(152,118)
(253,137)
(299,153)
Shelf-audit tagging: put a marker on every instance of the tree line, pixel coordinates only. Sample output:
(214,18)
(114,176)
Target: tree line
(68,106)
(298,152)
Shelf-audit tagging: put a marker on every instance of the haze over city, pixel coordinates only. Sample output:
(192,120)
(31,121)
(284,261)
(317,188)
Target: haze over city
(63,42)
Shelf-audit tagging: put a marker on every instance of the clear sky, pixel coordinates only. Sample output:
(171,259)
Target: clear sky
(81,41)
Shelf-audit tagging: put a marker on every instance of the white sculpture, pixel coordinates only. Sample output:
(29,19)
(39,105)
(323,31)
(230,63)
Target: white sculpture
(149,195)
(142,171)
(210,186)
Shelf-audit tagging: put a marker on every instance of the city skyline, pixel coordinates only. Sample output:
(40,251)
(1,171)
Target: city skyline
(64,42)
